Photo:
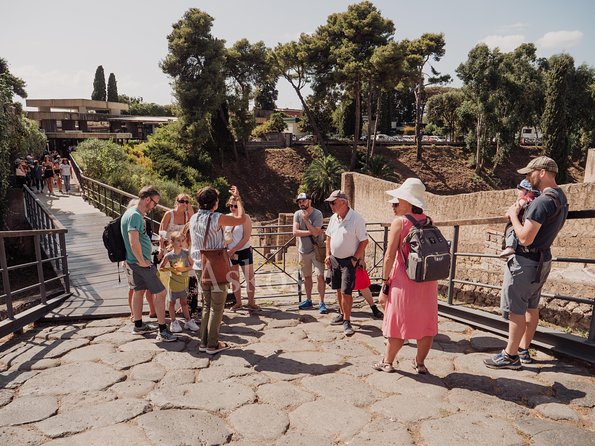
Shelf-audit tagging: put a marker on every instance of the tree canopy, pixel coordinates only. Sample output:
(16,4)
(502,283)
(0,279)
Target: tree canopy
(99,92)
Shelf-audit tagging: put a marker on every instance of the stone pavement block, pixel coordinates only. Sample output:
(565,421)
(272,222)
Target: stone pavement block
(455,327)
(22,436)
(60,347)
(360,367)
(181,360)
(111,322)
(277,335)
(385,382)
(350,347)
(477,402)
(383,432)
(5,396)
(426,386)
(40,364)
(289,366)
(253,380)
(550,433)
(184,427)
(119,434)
(314,418)
(13,379)
(579,392)
(28,409)
(76,400)
(487,342)
(405,409)
(319,333)
(92,332)
(133,388)
(149,343)
(150,371)
(71,378)
(260,421)
(284,395)
(469,428)
(117,337)
(303,345)
(276,323)
(223,373)
(176,377)
(97,415)
(342,387)
(557,411)
(301,438)
(93,352)
(125,360)
(213,397)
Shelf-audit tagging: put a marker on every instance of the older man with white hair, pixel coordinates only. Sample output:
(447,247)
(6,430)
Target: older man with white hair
(346,243)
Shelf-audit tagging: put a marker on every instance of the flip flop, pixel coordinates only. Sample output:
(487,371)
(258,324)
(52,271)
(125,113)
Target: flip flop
(220,347)
(252,307)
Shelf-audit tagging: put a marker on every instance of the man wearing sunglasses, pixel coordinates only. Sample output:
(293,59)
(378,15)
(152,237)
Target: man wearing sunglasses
(307,228)
(346,243)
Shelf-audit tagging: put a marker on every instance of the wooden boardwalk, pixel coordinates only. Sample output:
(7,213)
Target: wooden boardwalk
(96,290)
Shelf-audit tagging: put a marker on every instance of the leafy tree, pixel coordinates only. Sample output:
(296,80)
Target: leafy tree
(480,77)
(112,88)
(99,85)
(581,116)
(350,39)
(555,115)
(419,53)
(266,94)
(101,159)
(377,166)
(130,100)
(442,111)
(322,177)
(195,62)
(275,123)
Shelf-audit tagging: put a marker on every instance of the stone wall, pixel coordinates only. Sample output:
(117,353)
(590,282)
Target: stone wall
(576,239)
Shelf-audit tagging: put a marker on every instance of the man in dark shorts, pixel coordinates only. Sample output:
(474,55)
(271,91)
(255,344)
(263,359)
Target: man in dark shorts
(138,259)
(527,270)
(346,243)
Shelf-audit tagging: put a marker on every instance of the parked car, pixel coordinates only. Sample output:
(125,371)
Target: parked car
(381,137)
(307,138)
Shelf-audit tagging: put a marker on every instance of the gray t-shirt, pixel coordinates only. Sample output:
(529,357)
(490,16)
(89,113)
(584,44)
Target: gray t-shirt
(543,210)
(305,246)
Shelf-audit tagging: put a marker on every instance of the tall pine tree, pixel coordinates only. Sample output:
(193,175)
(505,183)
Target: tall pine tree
(99,85)
(112,88)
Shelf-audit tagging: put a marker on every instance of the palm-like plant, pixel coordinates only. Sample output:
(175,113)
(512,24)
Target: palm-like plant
(377,166)
(322,177)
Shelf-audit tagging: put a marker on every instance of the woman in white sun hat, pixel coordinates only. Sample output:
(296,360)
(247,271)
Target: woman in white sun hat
(411,308)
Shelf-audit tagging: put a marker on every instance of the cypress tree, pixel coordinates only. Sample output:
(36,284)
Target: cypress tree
(99,85)
(555,114)
(112,88)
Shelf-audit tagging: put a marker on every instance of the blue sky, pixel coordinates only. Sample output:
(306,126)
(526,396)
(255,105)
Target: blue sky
(55,46)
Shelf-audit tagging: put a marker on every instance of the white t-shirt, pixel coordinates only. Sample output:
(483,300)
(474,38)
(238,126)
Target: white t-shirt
(65,169)
(346,235)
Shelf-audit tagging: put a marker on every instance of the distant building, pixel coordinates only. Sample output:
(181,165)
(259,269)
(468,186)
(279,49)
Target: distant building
(66,122)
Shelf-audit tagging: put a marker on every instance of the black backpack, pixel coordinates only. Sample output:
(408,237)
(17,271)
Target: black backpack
(429,257)
(113,240)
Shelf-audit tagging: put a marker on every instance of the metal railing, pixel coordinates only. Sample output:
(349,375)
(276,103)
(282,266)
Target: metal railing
(48,234)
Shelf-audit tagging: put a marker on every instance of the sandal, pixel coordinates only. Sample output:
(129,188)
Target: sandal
(384,367)
(420,368)
(235,307)
(252,307)
(202,348)
(220,347)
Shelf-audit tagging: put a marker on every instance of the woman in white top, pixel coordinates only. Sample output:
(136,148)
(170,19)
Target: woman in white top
(65,174)
(174,220)
(239,248)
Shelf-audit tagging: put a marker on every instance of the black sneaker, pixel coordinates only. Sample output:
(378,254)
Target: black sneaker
(525,356)
(377,313)
(503,361)
(166,336)
(144,328)
(337,320)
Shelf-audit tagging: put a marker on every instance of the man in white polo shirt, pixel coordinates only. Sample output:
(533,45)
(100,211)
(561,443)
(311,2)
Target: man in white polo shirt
(345,247)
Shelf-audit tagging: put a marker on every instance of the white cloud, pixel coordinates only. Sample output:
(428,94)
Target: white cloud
(505,43)
(55,83)
(513,28)
(560,39)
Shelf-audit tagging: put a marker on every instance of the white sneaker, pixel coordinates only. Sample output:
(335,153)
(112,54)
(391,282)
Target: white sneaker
(175,327)
(192,325)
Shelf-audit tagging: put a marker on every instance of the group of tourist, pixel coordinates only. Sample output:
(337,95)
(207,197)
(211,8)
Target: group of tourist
(50,171)
(411,307)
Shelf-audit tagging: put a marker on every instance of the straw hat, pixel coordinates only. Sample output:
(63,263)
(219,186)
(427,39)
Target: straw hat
(412,190)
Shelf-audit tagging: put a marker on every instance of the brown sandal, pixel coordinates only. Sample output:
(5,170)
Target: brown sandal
(235,307)
(420,368)
(252,307)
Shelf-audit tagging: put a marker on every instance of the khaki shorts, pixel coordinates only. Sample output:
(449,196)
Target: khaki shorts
(145,279)
(307,262)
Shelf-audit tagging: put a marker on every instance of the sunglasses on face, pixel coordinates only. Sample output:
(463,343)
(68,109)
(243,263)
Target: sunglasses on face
(183,201)
(154,202)
(233,206)
(395,205)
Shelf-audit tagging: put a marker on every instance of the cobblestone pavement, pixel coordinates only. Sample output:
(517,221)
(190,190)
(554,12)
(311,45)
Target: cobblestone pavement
(290,379)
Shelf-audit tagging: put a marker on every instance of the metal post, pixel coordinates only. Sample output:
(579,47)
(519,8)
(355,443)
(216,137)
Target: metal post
(384,246)
(299,285)
(5,280)
(591,337)
(40,277)
(64,262)
(453,263)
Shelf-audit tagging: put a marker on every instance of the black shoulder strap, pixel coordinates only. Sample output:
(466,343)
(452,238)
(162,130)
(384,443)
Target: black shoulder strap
(417,223)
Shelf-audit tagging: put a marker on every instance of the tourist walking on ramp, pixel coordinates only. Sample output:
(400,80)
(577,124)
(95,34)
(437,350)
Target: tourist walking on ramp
(239,249)
(527,270)
(65,171)
(138,258)
(307,229)
(206,233)
(178,262)
(345,247)
(410,307)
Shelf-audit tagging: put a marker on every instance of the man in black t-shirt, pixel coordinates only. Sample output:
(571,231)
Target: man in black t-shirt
(528,269)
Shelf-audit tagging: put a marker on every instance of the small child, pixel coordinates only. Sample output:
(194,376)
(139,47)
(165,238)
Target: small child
(178,262)
(526,194)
